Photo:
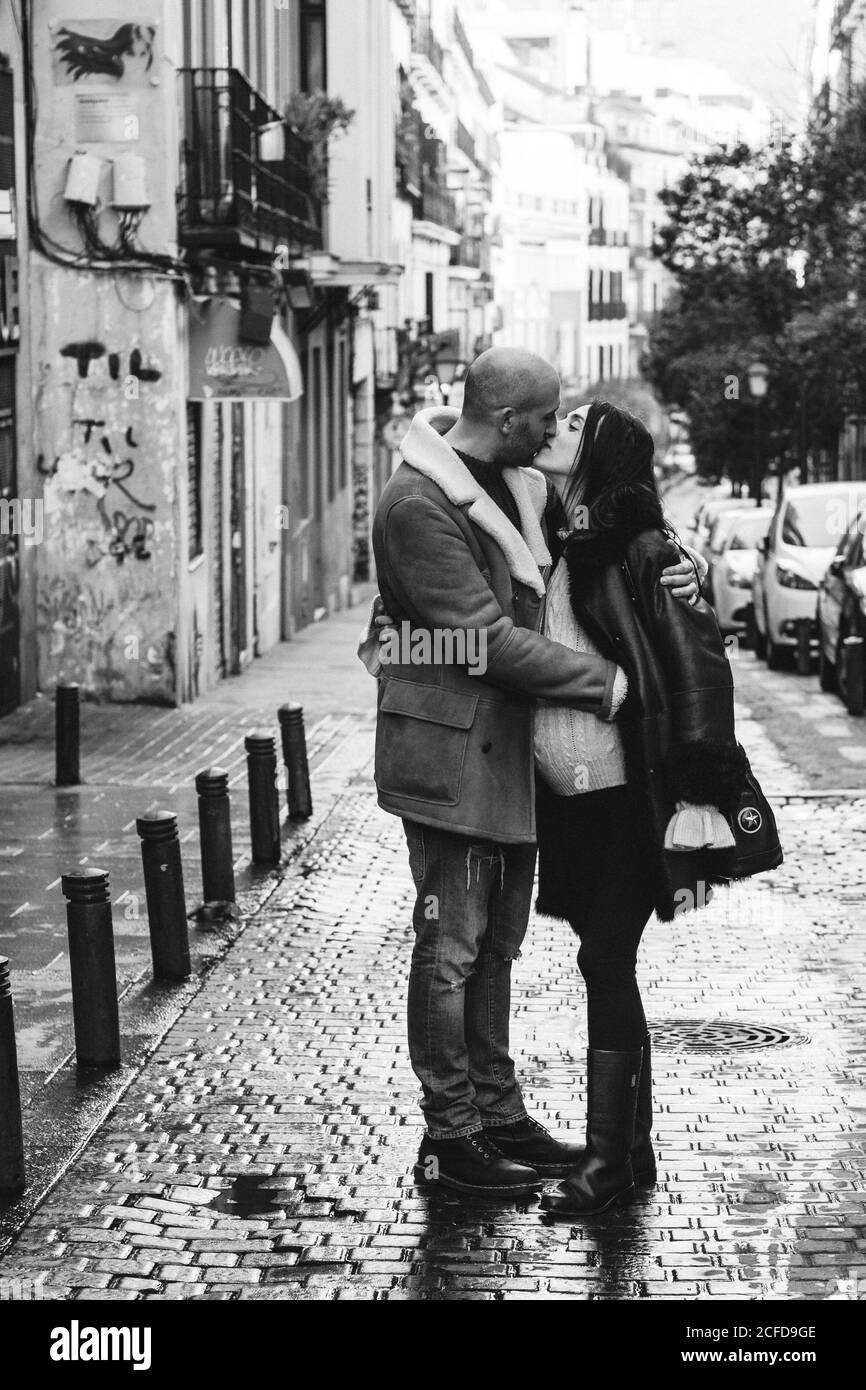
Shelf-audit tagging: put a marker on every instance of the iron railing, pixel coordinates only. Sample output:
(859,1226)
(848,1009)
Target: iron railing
(611,309)
(601,236)
(428,46)
(408,148)
(437,205)
(462,39)
(466,143)
(231,192)
(472,251)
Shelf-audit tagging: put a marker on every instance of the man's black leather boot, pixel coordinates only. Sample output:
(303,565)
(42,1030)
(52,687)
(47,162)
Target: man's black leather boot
(473,1164)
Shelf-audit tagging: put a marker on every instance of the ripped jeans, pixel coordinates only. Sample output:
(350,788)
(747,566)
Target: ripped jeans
(470,919)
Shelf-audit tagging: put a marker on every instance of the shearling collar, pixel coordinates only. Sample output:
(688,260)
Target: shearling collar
(427,452)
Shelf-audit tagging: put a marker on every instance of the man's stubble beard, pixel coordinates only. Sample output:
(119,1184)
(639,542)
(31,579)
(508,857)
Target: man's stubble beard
(522,450)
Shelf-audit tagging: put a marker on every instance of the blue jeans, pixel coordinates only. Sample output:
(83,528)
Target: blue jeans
(470,918)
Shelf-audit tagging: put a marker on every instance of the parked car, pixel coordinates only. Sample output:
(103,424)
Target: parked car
(734,549)
(706,514)
(804,536)
(842,606)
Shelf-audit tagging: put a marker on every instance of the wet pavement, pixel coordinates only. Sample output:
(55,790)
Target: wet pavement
(258,1141)
(136,759)
(265,1150)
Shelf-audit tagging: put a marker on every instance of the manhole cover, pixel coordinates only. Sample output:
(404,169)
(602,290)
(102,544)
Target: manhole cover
(720,1035)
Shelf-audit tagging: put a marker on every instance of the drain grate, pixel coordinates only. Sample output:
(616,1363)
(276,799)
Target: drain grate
(720,1035)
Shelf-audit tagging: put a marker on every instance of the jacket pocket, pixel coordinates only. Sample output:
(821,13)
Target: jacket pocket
(421,737)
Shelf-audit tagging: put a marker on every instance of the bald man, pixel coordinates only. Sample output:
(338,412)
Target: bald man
(461,559)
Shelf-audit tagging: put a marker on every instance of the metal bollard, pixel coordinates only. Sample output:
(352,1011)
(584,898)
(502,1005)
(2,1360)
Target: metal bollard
(294,741)
(855,674)
(11,1133)
(67,735)
(91,960)
(166,902)
(215,835)
(804,647)
(264,798)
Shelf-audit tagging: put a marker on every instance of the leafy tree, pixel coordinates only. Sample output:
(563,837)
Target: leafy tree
(768,249)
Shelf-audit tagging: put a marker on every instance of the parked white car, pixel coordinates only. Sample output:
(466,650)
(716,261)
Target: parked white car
(734,549)
(805,532)
(707,513)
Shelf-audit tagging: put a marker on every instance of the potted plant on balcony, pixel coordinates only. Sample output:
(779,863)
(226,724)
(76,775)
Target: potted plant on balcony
(316,117)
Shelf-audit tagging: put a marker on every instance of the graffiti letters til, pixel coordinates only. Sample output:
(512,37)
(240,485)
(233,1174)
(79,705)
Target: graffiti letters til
(101,456)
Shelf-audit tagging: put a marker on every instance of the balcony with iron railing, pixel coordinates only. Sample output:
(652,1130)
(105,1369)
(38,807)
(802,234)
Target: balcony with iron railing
(462,40)
(601,236)
(436,204)
(246,178)
(609,309)
(466,143)
(472,251)
(426,46)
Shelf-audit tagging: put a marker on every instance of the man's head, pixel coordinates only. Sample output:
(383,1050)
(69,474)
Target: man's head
(510,401)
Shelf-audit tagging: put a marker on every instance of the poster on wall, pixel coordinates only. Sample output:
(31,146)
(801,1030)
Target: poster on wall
(106,117)
(224,368)
(104,52)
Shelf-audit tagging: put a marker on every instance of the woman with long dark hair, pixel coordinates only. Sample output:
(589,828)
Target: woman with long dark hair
(631,815)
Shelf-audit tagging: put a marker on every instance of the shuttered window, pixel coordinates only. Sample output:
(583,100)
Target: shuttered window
(7,157)
(193,477)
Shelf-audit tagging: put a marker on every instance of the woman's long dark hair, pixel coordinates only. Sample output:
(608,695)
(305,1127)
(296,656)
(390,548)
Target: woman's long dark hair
(612,476)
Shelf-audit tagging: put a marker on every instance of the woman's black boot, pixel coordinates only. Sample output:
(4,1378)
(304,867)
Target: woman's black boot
(643,1159)
(604,1177)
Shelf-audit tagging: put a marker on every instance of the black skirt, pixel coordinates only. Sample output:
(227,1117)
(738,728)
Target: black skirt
(590,850)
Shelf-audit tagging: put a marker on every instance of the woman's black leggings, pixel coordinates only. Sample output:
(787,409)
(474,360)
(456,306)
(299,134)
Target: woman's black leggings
(589,848)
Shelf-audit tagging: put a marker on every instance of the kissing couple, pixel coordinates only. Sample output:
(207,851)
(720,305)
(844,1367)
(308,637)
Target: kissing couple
(599,736)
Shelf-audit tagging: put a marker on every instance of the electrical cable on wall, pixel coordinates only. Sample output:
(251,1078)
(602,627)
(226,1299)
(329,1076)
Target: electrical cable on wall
(97,256)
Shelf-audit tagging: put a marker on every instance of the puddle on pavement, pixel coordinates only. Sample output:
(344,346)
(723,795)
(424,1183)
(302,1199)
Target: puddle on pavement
(254,1196)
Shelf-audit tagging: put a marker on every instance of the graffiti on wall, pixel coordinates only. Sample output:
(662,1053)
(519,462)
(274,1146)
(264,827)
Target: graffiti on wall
(101,449)
(112,49)
(82,623)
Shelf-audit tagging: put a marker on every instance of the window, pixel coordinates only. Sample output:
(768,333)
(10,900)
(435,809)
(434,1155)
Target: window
(193,477)
(333,462)
(342,408)
(315,431)
(314,71)
(7,158)
(601,364)
(429,300)
(303,444)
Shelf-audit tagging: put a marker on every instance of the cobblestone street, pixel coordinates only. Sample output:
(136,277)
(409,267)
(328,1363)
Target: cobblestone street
(265,1150)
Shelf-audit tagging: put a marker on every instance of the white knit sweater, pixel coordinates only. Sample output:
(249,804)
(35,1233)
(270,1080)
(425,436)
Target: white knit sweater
(574,751)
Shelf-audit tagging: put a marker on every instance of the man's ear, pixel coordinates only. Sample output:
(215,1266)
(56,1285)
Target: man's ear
(507,419)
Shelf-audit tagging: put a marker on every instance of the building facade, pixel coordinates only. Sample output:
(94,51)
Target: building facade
(21,520)
(562,268)
(258,230)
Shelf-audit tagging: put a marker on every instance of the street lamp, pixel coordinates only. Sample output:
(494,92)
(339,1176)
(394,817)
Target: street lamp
(448,368)
(759,380)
